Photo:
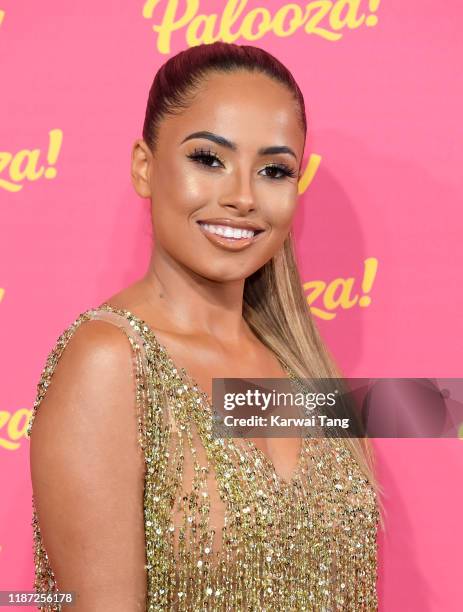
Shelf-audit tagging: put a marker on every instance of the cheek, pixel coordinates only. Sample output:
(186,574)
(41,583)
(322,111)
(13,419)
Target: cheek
(280,209)
(178,190)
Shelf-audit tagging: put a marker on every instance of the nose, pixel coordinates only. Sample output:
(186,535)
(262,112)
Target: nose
(240,196)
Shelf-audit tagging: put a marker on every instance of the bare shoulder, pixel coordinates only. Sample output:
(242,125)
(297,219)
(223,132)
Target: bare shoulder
(91,380)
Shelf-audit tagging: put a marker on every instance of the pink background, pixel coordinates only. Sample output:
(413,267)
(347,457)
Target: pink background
(384,111)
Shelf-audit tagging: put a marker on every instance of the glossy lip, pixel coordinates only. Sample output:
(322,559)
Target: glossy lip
(230,244)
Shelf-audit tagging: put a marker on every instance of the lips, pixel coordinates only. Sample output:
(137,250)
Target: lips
(232,235)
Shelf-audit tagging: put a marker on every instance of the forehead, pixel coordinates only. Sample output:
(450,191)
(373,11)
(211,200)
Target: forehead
(250,109)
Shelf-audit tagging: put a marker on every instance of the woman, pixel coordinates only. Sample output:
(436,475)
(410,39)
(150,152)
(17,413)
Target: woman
(154,512)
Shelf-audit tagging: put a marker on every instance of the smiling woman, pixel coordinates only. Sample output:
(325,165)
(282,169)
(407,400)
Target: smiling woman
(183,520)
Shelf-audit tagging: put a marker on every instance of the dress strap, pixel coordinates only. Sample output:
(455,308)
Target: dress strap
(143,385)
(131,328)
(120,321)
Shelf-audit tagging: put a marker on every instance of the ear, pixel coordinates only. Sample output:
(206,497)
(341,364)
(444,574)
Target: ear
(140,168)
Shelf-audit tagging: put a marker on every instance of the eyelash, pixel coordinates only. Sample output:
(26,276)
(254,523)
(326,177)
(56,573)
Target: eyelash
(201,154)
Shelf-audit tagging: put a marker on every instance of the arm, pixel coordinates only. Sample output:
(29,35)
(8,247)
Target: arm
(87,473)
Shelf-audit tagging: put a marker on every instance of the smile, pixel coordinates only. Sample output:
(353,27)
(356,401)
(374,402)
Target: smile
(231,238)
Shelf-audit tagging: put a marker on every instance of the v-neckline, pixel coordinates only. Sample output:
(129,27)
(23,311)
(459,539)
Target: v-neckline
(194,387)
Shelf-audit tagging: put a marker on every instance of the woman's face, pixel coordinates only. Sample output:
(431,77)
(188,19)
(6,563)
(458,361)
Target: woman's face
(241,172)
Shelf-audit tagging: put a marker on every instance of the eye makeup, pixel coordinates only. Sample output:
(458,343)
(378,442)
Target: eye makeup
(207,157)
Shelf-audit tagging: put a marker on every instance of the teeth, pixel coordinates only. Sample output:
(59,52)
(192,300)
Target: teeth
(228,232)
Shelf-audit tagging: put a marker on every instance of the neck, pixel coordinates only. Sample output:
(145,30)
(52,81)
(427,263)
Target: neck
(192,303)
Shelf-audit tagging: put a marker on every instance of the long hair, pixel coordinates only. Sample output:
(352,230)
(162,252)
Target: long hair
(274,305)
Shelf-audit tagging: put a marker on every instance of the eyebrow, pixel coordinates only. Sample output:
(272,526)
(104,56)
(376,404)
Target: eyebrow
(224,142)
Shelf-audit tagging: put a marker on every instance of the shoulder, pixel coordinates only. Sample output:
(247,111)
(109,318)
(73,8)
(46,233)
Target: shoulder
(89,365)
(90,339)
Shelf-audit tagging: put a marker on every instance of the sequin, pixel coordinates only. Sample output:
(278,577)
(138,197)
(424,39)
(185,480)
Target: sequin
(223,531)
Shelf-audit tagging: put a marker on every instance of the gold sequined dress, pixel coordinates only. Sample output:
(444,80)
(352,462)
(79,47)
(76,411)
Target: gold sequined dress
(223,531)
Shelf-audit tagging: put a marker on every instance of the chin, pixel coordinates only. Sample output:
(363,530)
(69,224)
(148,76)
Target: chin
(224,274)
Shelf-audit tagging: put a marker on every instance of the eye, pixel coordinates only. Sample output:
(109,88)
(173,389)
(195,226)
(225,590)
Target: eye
(205,157)
(283,168)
